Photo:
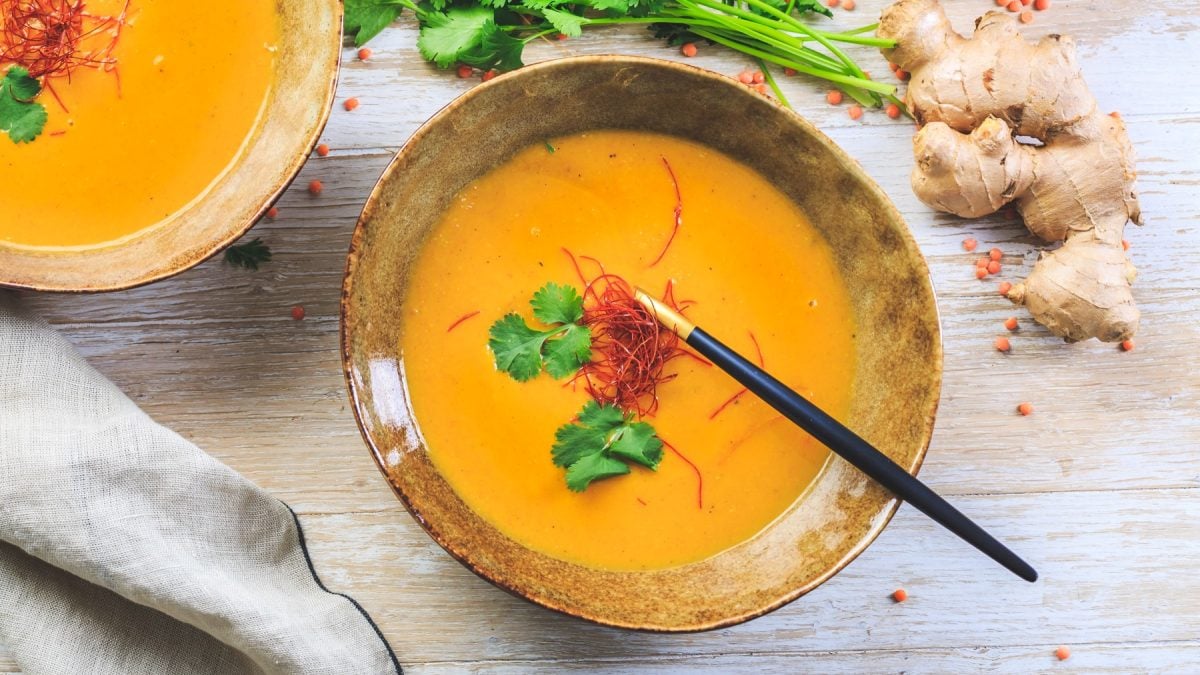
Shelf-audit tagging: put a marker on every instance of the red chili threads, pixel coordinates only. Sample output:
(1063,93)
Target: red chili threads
(695,470)
(743,391)
(461,319)
(630,349)
(678,220)
(51,38)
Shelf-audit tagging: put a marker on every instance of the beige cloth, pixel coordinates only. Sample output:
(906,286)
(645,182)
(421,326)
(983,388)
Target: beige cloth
(125,549)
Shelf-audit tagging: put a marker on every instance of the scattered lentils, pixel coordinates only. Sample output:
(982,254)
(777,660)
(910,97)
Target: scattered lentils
(350,104)
(834,97)
(893,111)
(1063,653)
(315,187)
(856,112)
(900,595)
(364,54)
(1004,288)
(969,244)
(272,213)
(322,150)
(1011,323)
(1026,16)
(298,312)
(464,71)
(1127,346)
(848,5)
(1003,345)
(993,267)
(1026,409)
(688,49)
(488,74)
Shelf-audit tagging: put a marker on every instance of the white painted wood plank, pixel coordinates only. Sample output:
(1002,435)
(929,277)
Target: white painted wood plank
(1123,659)
(1116,567)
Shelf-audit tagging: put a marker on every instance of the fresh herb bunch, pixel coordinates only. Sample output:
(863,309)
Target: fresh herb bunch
(601,443)
(493,33)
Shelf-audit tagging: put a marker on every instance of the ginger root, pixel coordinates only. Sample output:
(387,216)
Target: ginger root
(972,97)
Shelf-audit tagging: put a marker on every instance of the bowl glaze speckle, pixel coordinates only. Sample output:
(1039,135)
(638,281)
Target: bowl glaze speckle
(308,52)
(899,348)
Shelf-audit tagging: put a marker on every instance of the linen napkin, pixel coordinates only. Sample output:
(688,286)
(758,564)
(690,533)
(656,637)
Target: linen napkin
(125,549)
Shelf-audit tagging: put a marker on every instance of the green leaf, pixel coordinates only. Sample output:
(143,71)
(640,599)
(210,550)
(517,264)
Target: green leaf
(248,255)
(556,303)
(616,6)
(497,49)
(21,86)
(581,474)
(516,347)
(637,443)
(22,118)
(566,23)
(364,19)
(566,354)
(447,36)
(600,442)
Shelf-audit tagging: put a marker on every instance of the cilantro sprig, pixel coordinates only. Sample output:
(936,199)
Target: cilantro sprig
(493,33)
(523,352)
(248,255)
(21,117)
(602,443)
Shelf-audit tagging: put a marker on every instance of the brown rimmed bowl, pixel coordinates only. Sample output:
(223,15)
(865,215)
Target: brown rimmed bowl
(300,98)
(899,354)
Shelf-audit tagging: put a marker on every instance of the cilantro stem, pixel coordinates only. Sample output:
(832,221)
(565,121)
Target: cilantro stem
(772,83)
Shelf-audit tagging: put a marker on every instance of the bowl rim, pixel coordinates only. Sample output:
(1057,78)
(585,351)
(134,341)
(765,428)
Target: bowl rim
(464,556)
(211,249)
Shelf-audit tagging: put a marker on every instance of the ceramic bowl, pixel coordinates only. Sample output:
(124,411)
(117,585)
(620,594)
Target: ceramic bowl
(895,391)
(301,95)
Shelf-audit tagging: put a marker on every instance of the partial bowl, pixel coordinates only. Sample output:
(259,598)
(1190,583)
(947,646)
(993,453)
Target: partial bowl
(300,98)
(895,391)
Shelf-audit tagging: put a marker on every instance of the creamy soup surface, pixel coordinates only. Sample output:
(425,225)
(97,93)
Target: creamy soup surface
(124,150)
(757,270)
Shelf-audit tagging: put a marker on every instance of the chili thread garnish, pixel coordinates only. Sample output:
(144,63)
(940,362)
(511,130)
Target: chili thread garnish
(678,220)
(461,319)
(52,38)
(695,469)
(630,349)
(641,501)
(747,436)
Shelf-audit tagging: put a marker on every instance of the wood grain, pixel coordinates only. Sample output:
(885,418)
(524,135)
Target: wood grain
(1100,488)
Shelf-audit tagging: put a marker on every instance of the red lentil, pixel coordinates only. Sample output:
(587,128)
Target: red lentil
(315,187)
(892,110)
(1004,288)
(900,595)
(688,49)
(1026,409)
(272,213)
(1041,5)
(993,267)
(1063,653)
(1127,346)
(464,71)
(1003,345)
(834,97)
(298,312)
(1011,323)
(364,54)
(969,244)
(1026,16)
(856,112)
(350,104)
(322,150)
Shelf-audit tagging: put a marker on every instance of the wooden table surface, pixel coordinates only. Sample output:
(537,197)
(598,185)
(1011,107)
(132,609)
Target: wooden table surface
(1100,487)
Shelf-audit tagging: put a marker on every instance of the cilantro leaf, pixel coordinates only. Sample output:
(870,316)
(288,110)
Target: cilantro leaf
(364,19)
(446,36)
(592,468)
(523,351)
(497,48)
(517,347)
(564,355)
(555,303)
(20,116)
(598,444)
(637,443)
(566,23)
(248,255)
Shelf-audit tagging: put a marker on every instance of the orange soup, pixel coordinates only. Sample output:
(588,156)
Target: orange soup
(758,272)
(125,148)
